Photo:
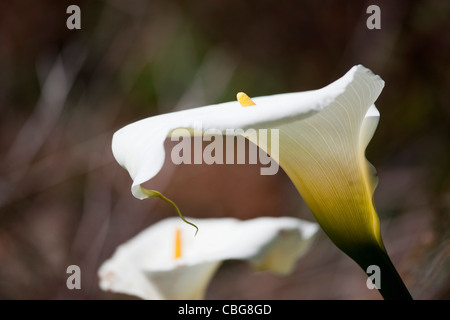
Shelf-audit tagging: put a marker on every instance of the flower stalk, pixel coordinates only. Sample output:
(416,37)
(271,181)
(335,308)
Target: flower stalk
(392,286)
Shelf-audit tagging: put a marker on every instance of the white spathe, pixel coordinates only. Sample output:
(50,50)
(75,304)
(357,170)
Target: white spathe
(323,135)
(145,266)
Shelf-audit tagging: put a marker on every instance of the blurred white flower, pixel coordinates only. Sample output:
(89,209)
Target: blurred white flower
(166,262)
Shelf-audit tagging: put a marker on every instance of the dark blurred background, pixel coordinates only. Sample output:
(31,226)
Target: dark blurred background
(64,200)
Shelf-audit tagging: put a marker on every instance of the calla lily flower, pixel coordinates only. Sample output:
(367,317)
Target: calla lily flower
(323,135)
(166,262)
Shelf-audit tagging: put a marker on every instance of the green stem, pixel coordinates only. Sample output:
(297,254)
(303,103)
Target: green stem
(154,193)
(391,284)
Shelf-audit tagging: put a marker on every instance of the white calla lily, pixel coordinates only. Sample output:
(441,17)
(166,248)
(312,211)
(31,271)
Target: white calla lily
(323,135)
(166,262)
(322,139)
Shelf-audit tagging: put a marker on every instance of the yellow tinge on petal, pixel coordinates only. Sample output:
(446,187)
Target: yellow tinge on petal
(332,175)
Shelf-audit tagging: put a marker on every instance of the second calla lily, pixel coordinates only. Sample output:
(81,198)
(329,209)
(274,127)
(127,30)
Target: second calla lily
(323,135)
(164,262)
